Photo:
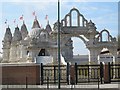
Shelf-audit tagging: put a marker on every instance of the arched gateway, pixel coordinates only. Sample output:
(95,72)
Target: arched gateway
(41,44)
(86,31)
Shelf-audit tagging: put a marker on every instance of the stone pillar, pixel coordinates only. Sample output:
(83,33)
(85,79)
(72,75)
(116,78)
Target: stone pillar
(107,73)
(114,53)
(93,56)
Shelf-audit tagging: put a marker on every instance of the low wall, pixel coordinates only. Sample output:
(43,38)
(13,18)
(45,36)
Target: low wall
(20,74)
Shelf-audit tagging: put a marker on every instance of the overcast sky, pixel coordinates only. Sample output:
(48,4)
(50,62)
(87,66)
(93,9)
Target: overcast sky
(104,14)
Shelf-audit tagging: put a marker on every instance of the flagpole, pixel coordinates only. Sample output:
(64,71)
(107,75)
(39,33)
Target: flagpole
(59,44)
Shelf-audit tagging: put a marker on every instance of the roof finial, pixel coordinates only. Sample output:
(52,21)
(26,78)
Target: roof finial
(48,22)
(23,22)
(35,17)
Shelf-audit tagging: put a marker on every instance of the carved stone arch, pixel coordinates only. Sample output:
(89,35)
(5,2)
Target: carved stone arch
(63,22)
(74,9)
(98,37)
(83,39)
(80,37)
(80,20)
(110,37)
(107,34)
(74,18)
(67,22)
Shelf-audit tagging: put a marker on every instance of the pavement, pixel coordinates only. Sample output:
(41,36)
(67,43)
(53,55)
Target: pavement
(115,86)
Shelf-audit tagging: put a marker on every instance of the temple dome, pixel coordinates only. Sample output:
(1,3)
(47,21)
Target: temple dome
(8,35)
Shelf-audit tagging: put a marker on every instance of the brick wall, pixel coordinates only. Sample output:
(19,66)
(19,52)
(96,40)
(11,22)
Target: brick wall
(20,74)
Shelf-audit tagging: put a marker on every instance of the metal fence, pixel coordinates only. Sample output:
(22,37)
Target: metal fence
(82,73)
(50,73)
(115,72)
(88,73)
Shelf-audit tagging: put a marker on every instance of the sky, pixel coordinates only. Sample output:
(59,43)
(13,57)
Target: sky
(104,14)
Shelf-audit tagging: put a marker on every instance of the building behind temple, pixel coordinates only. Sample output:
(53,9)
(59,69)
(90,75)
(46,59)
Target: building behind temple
(40,45)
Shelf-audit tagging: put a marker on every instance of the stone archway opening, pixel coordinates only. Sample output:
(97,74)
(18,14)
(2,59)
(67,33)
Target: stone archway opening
(80,52)
(105,56)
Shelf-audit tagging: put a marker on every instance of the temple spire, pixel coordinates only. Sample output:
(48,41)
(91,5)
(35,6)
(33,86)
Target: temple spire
(36,23)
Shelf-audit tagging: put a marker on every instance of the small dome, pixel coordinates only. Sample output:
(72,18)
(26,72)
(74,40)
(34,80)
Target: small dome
(8,35)
(35,32)
(44,35)
(17,35)
(24,31)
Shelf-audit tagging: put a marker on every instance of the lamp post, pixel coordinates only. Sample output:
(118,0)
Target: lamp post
(58,44)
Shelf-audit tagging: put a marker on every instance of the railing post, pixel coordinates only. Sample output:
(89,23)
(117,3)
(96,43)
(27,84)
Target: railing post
(54,74)
(98,83)
(76,73)
(109,72)
(112,70)
(101,72)
(41,74)
(68,73)
(47,82)
(26,82)
(88,74)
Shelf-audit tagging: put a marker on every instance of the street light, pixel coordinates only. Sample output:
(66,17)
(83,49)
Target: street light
(58,44)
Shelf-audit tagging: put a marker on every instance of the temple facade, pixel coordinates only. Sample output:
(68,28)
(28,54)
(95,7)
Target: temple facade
(40,45)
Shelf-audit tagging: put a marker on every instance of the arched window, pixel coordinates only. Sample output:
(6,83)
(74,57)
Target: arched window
(42,52)
(68,21)
(27,52)
(74,18)
(81,21)
(105,36)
